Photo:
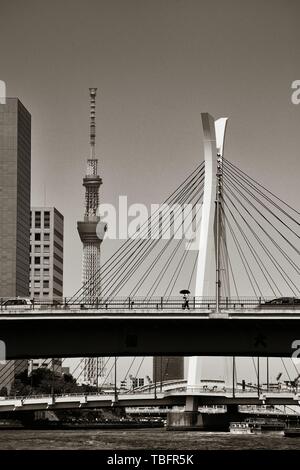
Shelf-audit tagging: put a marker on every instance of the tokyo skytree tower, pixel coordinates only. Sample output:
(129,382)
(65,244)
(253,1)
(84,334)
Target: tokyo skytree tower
(91,237)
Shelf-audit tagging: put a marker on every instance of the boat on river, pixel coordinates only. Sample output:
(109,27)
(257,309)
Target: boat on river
(257,426)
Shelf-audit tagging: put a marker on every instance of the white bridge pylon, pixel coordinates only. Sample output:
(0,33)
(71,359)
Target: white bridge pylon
(207,278)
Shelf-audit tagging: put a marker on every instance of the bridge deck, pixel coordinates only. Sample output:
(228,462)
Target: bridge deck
(65,333)
(168,398)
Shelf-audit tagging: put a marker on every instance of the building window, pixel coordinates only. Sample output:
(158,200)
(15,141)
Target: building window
(46,219)
(46,284)
(37,248)
(46,248)
(37,220)
(37,283)
(36,294)
(37,271)
(37,236)
(46,237)
(46,259)
(37,260)
(46,272)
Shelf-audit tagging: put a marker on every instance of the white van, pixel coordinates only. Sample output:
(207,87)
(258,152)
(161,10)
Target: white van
(18,303)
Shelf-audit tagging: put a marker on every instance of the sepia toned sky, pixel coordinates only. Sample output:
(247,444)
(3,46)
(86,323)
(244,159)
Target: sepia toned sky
(157,64)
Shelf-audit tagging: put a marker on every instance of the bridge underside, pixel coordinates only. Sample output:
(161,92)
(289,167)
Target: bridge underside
(239,334)
(144,400)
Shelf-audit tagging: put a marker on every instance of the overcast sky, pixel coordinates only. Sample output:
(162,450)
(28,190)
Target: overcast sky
(157,64)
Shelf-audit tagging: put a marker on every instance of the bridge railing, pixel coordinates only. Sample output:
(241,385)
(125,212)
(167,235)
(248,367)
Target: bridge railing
(153,303)
(142,303)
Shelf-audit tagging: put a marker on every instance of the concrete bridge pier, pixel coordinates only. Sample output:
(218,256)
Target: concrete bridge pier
(193,420)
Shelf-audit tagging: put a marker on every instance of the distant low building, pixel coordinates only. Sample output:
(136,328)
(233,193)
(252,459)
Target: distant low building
(53,364)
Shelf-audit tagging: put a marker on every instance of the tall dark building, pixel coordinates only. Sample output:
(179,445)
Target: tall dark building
(15,178)
(168,368)
(15,166)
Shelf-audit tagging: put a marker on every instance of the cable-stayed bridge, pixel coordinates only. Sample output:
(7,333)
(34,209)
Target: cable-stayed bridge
(222,236)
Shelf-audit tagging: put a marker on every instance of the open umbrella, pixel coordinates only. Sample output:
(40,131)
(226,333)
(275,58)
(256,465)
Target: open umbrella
(184,291)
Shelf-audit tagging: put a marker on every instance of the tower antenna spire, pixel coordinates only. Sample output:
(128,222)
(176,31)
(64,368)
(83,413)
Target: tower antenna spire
(93,93)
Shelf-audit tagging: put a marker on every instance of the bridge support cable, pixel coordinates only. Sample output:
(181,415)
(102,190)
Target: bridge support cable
(81,366)
(129,369)
(269,255)
(193,272)
(149,251)
(133,263)
(125,270)
(267,234)
(139,367)
(227,257)
(165,266)
(238,182)
(255,255)
(251,277)
(274,261)
(286,370)
(255,184)
(8,372)
(144,227)
(233,185)
(115,360)
(132,242)
(178,271)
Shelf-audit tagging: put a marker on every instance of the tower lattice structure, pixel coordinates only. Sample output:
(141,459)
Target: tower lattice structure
(91,233)
(89,229)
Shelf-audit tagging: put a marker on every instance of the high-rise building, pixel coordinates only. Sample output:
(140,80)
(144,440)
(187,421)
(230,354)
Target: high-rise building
(92,371)
(15,179)
(168,368)
(15,166)
(89,232)
(46,266)
(46,253)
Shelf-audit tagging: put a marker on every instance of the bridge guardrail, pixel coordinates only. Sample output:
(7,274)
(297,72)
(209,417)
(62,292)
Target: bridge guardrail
(142,303)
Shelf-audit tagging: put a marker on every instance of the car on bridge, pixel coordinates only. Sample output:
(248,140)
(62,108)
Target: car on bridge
(17,303)
(282,301)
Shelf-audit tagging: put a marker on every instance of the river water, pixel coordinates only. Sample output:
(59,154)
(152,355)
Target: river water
(148,439)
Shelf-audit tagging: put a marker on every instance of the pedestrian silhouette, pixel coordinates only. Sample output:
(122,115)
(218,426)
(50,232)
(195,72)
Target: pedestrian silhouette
(185,304)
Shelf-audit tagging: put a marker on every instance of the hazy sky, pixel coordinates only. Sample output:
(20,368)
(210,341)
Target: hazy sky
(157,64)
